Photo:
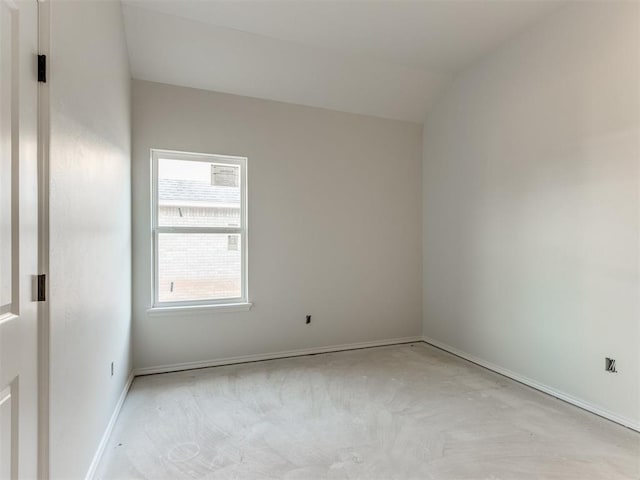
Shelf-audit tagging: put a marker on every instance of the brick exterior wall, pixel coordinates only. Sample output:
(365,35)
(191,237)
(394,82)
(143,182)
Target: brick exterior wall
(199,266)
(198,216)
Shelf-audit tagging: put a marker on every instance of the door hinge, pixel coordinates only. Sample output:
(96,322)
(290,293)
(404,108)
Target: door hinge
(42,288)
(42,68)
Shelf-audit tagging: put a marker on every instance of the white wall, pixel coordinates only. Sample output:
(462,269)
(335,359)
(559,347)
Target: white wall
(90,234)
(531,215)
(334,224)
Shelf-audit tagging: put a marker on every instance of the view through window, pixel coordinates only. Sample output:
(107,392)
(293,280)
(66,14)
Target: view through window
(199,229)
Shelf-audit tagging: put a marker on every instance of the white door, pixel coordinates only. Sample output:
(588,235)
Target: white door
(18,238)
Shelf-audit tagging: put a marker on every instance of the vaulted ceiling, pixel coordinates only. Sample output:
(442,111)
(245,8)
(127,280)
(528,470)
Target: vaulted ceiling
(385,58)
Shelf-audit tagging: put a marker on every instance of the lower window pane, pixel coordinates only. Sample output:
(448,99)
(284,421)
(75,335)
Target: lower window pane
(199,266)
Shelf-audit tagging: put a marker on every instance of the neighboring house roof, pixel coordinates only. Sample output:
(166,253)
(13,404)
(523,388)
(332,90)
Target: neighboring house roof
(191,192)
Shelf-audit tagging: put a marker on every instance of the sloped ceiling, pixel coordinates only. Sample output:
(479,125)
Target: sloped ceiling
(385,58)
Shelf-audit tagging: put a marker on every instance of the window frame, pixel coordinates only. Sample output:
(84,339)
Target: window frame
(156,230)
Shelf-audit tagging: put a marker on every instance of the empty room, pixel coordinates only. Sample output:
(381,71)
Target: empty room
(320,239)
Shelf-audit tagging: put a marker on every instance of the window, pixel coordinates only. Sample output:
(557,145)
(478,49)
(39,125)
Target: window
(199,229)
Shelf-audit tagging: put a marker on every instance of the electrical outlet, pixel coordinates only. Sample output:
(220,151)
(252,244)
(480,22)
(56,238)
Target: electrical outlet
(610,365)
(112,369)
(308,319)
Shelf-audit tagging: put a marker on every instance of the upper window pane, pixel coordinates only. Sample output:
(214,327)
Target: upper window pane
(193,193)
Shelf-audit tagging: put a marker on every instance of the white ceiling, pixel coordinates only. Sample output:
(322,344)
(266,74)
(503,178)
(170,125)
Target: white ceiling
(384,58)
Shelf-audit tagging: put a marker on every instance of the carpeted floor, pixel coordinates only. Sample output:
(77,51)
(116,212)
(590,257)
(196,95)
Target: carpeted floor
(400,412)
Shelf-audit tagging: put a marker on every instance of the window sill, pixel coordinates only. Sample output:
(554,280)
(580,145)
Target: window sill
(199,309)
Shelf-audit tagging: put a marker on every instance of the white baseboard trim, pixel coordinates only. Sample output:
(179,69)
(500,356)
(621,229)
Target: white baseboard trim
(176,367)
(627,422)
(107,432)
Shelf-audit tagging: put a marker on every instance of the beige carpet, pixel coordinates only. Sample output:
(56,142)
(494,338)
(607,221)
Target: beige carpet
(407,411)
